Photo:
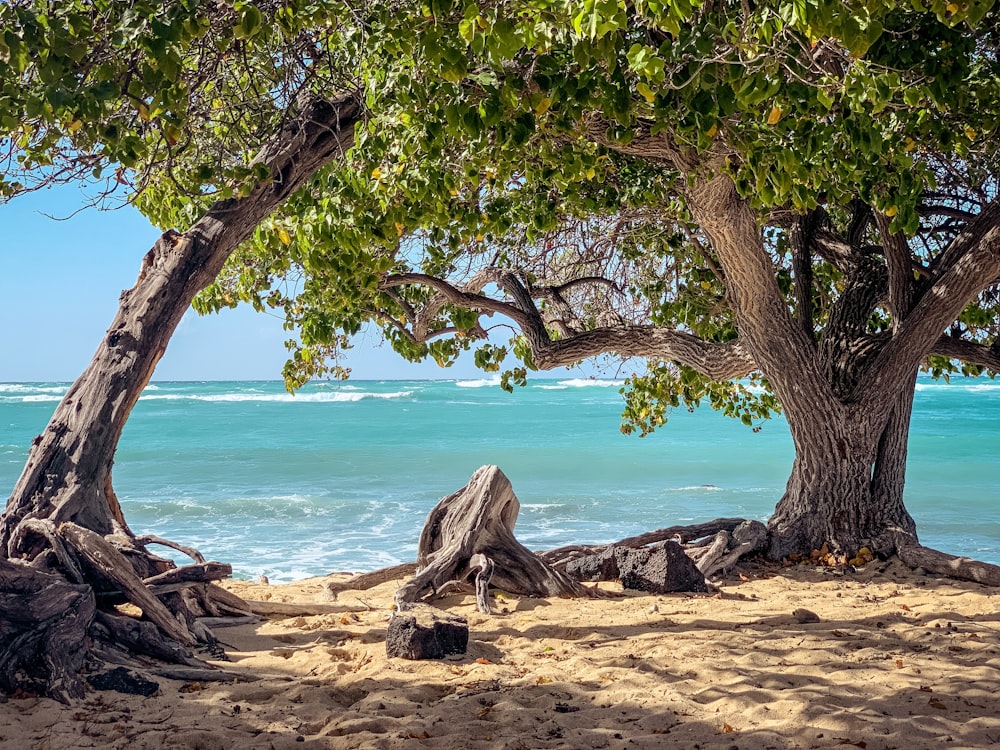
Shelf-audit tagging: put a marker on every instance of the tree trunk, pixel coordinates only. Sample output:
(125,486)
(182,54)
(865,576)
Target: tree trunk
(846,484)
(66,483)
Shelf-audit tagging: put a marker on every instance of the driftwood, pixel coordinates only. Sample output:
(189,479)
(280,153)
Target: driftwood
(43,631)
(365,581)
(560,556)
(112,565)
(916,555)
(478,521)
(727,548)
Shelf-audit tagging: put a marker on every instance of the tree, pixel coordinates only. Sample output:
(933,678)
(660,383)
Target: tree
(804,193)
(134,88)
(726,188)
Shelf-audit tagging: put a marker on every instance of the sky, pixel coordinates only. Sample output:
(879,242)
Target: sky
(63,270)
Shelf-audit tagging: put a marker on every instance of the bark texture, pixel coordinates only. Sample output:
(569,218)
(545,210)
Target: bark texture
(63,517)
(478,522)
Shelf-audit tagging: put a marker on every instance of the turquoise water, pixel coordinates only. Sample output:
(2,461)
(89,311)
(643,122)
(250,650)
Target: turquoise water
(341,476)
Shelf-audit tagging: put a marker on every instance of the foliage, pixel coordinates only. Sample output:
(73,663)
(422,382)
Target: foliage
(525,158)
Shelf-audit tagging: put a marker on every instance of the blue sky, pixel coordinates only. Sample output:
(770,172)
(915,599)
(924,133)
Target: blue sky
(59,292)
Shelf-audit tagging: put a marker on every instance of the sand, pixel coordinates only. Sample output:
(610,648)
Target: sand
(895,660)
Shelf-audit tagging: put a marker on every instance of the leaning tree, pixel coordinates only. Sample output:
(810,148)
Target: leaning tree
(803,193)
(225,105)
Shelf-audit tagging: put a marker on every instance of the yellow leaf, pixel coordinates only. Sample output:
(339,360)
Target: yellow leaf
(479,238)
(143,111)
(284,236)
(774,115)
(970,133)
(647,93)
(892,211)
(376,173)
(399,229)
(543,106)
(910,144)
(952,8)
(453,192)
(74,126)
(713,130)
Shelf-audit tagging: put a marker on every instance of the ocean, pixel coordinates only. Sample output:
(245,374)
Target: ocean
(341,476)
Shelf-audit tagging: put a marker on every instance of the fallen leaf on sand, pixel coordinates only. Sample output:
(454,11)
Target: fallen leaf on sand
(481,660)
(726,729)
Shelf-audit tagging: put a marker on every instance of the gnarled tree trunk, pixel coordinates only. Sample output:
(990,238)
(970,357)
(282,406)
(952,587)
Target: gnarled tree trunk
(63,515)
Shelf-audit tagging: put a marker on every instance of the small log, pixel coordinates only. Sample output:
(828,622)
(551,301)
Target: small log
(479,519)
(112,565)
(365,581)
(198,573)
(206,674)
(228,622)
(706,557)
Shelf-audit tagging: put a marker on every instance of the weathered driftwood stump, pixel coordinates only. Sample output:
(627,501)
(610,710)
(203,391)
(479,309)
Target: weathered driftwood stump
(472,531)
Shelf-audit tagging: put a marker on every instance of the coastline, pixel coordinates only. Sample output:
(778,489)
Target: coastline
(895,660)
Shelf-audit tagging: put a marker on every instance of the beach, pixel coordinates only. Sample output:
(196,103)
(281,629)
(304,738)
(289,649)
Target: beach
(776,657)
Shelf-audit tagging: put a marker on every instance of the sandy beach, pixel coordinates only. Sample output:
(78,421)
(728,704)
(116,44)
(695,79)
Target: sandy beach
(892,659)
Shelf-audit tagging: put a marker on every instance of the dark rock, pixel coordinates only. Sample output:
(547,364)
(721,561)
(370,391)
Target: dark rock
(422,632)
(600,567)
(123,681)
(661,569)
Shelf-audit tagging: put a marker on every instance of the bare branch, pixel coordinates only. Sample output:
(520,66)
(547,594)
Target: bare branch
(968,352)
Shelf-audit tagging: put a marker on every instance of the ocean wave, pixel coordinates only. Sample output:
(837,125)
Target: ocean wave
(17,388)
(993,387)
(590,383)
(696,488)
(37,398)
(552,387)
(339,397)
(481,383)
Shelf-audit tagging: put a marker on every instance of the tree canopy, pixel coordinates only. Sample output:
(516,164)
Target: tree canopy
(548,150)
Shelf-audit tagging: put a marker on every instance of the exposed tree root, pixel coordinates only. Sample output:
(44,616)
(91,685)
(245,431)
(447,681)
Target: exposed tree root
(60,608)
(941,563)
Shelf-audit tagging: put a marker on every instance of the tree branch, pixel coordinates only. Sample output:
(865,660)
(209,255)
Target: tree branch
(969,264)
(719,361)
(967,351)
